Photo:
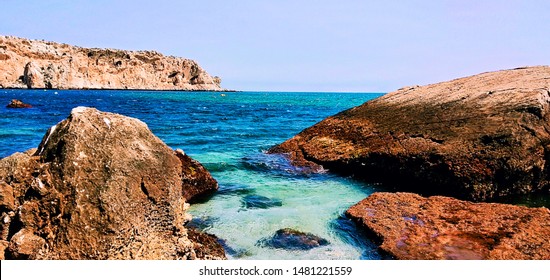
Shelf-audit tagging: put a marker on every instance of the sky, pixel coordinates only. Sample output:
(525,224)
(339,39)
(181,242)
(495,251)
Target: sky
(299,45)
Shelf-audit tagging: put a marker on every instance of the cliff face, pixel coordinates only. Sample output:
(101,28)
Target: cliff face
(39,64)
(475,138)
(101,186)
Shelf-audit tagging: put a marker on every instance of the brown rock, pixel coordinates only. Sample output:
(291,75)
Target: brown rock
(16,104)
(476,138)
(41,64)
(99,186)
(409,226)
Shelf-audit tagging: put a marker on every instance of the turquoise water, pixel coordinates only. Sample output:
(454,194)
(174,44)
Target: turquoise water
(229,133)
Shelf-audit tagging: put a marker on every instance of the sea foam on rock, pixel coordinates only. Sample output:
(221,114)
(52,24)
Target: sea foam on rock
(101,186)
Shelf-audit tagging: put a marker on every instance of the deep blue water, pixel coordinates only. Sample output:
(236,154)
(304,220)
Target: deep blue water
(228,133)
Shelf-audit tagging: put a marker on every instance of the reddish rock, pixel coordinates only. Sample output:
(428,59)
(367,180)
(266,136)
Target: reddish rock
(409,226)
(99,186)
(17,104)
(475,138)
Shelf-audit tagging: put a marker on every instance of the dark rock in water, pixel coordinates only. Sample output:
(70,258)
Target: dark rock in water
(258,201)
(290,239)
(237,253)
(16,104)
(349,232)
(201,223)
(474,138)
(277,165)
(408,226)
(234,189)
(100,186)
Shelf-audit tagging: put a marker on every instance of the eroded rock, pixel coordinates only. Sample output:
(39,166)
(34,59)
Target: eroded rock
(476,138)
(40,64)
(409,226)
(100,186)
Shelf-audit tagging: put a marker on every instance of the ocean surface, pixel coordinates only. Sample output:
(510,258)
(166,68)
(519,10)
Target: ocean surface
(228,133)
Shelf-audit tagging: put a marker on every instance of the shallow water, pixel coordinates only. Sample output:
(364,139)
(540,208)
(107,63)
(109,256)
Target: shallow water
(228,133)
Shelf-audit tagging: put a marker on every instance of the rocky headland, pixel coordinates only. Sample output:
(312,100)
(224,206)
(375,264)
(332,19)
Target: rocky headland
(409,226)
(38,64)
(474,138)
(102,186)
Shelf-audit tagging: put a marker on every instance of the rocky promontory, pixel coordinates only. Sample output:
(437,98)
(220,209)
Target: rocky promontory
(475,138)
(409,226)
(101,186)
(38,64)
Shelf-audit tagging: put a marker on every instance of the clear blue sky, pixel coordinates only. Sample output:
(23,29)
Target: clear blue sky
(294,45)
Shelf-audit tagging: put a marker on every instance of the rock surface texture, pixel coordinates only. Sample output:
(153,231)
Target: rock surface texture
(409,226)
(475,138)
(40,64)
(101,186)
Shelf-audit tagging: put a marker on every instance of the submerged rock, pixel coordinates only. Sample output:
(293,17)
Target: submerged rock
(40,64)
(291,239)
(17,104)
(475,138)
(409,226)
(100,186)
(259,201)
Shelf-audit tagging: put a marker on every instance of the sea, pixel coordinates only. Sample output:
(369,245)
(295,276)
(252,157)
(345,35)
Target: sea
(229,133)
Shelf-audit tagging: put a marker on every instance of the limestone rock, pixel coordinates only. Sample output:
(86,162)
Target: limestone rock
(99,186)
(475,138)
(40,64)
(409,226)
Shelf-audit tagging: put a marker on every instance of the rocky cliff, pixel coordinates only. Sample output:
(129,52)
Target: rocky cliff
(101,186)
(409,226)
(40,64)
(476,138)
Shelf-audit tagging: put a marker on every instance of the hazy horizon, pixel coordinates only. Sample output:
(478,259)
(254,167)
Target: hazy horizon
(305,46)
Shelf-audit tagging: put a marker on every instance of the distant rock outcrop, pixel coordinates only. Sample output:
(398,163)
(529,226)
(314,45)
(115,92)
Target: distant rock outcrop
(101,186)
(409,226)
(40,64)
(476,138)
(17,104)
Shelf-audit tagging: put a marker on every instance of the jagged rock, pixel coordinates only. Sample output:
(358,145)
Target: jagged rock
(409,226)
(41,64)
(16,104)
(476,138)
(291,239)
(100,186)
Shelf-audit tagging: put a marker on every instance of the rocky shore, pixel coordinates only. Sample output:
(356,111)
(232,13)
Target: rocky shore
(475,138)
(38,64)
(102,186)
(409,226)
